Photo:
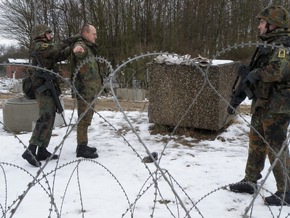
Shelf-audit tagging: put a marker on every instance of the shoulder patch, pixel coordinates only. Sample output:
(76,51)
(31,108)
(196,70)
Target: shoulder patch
(282,53)
(44,45)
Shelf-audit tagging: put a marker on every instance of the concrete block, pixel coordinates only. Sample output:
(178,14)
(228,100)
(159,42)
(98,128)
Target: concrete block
(131,94)
(20,114)
(17,86)
(174,90)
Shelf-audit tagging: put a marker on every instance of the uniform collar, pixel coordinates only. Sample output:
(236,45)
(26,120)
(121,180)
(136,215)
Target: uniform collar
(270,37)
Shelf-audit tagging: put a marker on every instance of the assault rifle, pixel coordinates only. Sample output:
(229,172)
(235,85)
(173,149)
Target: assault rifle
(242,86)
(241,89)
(49,85)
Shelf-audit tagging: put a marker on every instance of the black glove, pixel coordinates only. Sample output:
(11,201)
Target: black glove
(235,102)
(252,77)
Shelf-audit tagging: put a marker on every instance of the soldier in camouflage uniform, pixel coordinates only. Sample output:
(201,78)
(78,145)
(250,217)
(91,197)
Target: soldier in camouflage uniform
(88,84)
(270,81)
(44,54)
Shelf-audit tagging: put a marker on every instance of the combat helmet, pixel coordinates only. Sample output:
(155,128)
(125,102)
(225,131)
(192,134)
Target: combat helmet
(39,31)
(275,15)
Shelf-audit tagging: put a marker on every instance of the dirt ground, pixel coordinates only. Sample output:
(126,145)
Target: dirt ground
(110,105)
(102,104)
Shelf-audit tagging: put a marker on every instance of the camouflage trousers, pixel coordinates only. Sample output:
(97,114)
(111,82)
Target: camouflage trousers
(84,122)
(43,129)
(267,135)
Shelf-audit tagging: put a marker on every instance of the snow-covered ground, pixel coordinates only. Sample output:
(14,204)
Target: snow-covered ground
(191,179)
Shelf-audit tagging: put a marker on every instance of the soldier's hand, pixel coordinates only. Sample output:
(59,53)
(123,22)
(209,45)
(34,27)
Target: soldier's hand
(231,108)
(78,49)
(252,77)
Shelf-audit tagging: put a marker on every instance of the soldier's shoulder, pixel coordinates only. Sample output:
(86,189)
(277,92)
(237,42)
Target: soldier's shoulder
(43,45)
(282,53)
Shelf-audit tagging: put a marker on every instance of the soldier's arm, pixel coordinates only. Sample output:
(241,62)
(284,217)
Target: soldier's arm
(80,50)
(54,51)
(278,68)
(61,52)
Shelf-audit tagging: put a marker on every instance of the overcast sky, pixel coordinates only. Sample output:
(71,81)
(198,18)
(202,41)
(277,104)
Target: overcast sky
(7,42)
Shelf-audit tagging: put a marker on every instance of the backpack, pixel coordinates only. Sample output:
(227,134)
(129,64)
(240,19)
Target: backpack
(28,88)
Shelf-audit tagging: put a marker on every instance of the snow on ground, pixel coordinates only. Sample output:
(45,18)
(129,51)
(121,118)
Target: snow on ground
(191,178)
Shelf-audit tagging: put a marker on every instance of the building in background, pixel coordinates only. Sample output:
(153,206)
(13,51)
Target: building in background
(19,68)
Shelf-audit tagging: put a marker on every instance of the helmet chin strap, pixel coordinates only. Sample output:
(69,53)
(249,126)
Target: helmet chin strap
(268,28)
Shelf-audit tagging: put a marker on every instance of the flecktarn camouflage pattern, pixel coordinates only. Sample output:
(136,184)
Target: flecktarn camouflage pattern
(39,31)
(276,15)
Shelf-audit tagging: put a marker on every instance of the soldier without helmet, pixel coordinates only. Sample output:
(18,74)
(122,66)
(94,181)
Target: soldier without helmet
(88,83)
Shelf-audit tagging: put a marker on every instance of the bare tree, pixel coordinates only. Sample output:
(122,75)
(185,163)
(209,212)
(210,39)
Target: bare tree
(127,27)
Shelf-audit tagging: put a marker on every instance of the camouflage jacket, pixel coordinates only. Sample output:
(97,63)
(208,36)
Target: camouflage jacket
(87,79)
(46,54)
(272,66)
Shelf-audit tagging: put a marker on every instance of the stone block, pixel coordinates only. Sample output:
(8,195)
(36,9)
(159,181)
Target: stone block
(189,95)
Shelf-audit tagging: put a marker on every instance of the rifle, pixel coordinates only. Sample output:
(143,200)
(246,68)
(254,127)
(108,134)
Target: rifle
(49,85)
(242,87)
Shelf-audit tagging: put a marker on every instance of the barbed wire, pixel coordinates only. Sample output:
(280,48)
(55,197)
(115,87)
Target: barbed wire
(158,175)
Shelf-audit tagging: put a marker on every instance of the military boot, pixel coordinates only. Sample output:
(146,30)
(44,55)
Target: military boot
(43,154)
(278,199)
(244,186)
(91,149)
(84,151)
(30,156)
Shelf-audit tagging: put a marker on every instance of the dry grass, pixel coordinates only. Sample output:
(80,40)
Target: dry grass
(102,104)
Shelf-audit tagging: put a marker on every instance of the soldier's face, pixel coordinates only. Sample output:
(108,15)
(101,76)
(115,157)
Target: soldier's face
(91,35)
(262,27)
(49,36)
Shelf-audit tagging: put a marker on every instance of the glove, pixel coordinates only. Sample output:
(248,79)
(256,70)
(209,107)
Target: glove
(252,77)
(235,102)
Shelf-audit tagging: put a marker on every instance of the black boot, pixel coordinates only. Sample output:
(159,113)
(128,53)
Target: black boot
(278,199)
(244,186)
(30,156)
(84,151)
(43,154)
(91,149)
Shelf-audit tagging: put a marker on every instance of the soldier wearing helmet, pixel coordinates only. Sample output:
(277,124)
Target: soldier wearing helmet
(39,31)
(44,54)
(269,80)
(275,15)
